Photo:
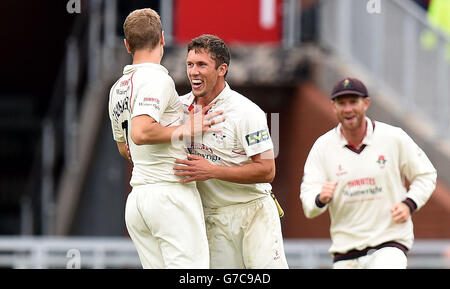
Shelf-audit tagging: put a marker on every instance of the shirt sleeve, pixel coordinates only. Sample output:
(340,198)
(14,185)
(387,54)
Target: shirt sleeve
(314,176)
(152,98)
(418,170)
(254,133)
(117,131)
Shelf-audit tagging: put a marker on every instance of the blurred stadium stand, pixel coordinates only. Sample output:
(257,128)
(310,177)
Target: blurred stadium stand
(64,176)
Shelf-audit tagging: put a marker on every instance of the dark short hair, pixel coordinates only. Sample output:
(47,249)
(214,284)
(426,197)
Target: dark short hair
(214,45)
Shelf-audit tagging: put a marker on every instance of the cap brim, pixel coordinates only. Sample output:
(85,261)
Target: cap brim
(347,92)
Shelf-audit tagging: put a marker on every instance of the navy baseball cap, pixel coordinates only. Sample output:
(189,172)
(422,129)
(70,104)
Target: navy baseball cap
(349,86)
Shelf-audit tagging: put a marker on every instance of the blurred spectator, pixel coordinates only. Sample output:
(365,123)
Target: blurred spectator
(438,16)
(423,3)
(309,29)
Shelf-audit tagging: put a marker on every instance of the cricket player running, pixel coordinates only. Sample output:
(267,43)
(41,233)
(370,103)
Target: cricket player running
(359,171)
(233,168)
(163,217)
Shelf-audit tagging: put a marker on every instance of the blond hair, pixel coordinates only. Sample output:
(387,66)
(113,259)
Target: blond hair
(142,29)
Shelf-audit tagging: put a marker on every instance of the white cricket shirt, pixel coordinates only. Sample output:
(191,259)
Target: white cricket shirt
(243,134)
(370,182)
(147,89)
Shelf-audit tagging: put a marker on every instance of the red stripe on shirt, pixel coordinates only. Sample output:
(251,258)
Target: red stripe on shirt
(131,95)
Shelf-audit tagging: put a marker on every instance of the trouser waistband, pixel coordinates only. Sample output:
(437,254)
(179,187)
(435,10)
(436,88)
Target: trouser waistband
(353,254)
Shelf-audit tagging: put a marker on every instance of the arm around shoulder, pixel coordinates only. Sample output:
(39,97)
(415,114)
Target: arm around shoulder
(145,130)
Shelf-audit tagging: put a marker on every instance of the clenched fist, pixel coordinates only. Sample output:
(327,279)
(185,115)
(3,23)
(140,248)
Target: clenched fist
(400,213)
(327,192)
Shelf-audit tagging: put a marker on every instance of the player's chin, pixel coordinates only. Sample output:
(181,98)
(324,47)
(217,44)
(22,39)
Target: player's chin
(349,123)
(198,92)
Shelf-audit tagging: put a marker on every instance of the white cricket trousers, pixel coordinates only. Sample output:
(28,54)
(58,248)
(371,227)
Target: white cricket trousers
(246,236)
(383,258)
(167,226)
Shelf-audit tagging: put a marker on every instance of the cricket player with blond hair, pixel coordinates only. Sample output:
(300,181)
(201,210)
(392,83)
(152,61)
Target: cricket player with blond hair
(360,172)
(163,216)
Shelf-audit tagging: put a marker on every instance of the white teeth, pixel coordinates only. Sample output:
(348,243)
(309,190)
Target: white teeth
(196,81)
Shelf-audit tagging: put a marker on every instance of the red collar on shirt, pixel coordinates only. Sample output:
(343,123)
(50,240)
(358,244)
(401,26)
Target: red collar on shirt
(362,147)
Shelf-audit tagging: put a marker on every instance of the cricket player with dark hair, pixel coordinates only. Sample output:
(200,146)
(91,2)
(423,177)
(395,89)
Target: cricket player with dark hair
(233,168)
(163,216)
(360,172)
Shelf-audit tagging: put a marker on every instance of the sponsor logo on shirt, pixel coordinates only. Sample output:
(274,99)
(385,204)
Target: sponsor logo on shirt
(210,157)
(150,101)
(364,188)
(257,137)
(361,182)
(121,91)
(200,146)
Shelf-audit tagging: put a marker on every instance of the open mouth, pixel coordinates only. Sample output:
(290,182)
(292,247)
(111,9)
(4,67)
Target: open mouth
(349,117)
(196,83)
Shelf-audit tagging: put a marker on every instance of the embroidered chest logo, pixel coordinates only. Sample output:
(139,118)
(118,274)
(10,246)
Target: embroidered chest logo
(340,171)
(219,136)
(381,161)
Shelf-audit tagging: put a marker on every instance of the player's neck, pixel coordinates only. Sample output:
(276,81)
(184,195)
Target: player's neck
(355,136)
(145,56)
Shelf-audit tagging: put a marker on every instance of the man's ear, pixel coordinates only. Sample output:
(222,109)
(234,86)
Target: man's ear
(162,39)
(367,102)
(223,68)
(127,45)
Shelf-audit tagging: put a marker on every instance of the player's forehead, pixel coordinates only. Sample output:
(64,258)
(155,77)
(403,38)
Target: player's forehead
(199,54)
